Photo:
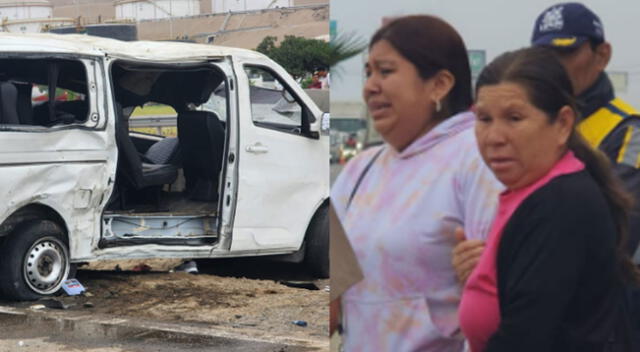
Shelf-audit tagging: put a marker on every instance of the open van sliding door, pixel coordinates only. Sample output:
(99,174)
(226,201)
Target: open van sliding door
(203,234)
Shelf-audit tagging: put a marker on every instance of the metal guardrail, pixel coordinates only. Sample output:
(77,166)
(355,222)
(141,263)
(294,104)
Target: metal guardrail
(319,96)
(153,121)
(157,122)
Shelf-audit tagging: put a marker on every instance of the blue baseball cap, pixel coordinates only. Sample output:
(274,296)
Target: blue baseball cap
(567,26)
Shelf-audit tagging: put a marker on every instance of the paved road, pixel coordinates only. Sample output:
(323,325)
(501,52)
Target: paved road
(36,333)
(25,330)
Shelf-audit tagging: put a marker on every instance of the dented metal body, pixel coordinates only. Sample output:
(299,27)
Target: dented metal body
(271,184)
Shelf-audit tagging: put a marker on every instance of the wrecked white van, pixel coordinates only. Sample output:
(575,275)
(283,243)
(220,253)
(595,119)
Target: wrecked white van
(247,174)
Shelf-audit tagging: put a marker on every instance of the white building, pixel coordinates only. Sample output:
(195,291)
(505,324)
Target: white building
(155,9)
(220,6)
(29,16)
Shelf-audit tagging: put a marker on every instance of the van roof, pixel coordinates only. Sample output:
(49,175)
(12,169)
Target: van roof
(98,46)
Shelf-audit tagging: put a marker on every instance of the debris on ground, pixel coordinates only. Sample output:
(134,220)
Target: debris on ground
(55,303)
(249,306)
(141,267)
(189,266)
(309,285)
(226,295)
(72,287)
(300,323)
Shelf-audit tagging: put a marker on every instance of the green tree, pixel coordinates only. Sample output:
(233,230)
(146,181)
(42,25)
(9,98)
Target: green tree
(345,46)
(267,45)
(301,56)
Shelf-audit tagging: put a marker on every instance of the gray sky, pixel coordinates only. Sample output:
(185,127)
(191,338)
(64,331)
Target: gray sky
(495,26)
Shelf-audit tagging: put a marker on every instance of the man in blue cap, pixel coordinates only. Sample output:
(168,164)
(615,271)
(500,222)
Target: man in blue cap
(608,123)
(576,34)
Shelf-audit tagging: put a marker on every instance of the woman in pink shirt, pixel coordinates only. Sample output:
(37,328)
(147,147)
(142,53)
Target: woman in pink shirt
(552,274)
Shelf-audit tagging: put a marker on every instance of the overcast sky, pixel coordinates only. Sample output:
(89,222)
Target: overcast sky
(491,25)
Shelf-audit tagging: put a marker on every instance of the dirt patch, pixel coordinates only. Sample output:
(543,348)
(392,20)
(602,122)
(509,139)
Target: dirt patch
(131,265)
(252,306)
(260,305)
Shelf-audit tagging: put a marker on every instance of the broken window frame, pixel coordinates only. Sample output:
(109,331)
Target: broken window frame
(92,68)
(306,117)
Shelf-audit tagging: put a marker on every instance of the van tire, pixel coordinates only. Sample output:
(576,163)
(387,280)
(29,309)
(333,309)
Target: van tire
(39,244)
(316,255)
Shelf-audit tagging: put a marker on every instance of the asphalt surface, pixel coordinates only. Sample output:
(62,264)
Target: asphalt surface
(27,333)
(23,329)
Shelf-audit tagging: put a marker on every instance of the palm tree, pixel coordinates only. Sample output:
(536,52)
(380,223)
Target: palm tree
(343,47)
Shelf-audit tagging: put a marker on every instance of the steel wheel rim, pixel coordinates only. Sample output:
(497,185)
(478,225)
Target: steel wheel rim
(46,264)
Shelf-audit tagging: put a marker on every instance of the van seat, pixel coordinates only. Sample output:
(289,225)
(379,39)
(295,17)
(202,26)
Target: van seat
(201,137)
(9,99)
(138,174)
(165,151)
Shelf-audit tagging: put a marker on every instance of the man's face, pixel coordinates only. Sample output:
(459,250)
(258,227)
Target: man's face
(584,64)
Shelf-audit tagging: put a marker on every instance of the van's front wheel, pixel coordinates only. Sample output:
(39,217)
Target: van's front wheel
(34,261)
(316,255)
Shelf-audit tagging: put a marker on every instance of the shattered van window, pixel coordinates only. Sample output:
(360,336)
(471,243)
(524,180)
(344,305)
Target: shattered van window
(271,103)
(25,95)
(217,102)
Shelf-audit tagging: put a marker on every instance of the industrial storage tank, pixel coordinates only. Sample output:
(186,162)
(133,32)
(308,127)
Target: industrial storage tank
(29,16)
(19,10)
(120,31)
(220,6)
(155,9)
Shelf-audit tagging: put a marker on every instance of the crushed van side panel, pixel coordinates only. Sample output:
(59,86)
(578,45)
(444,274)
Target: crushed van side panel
(67,171)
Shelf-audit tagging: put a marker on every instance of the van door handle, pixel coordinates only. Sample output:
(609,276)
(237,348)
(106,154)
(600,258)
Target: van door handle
(257,148)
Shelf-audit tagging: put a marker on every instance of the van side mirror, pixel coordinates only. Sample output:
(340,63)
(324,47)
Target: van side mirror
(320,126)
(325,123)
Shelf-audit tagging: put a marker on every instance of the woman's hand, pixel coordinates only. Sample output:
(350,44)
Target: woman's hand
(466,255)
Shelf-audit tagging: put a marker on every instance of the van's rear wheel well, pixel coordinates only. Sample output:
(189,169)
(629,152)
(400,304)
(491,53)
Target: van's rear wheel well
(29,213)
(34,261)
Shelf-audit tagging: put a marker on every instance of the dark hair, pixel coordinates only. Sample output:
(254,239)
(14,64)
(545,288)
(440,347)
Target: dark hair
(549,88)
(431,44)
